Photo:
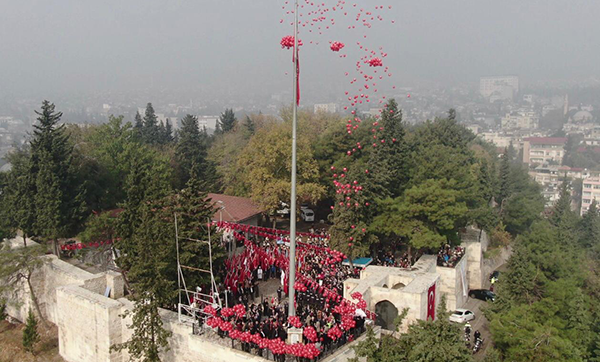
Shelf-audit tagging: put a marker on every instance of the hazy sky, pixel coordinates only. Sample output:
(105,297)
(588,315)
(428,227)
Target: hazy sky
(79,46)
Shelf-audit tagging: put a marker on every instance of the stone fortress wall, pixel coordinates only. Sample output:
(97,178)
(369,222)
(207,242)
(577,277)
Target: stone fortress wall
(89,322)
(405,288)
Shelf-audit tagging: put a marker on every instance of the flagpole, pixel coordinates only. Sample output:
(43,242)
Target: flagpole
(292,270)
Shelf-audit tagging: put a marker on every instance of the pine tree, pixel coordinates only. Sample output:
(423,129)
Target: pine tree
(562,209)
(191,155)
(505,178)
(389,160)
(590,227)
(227,121)
(168,137)
(59,197)
(250,127)
(30,333)
(148,255)
(138,124)
(48,223)
(18,195)
(351,218)
(452,114)
(150,129)
(194,211)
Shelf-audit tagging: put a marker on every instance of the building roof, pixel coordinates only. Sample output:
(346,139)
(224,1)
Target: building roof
(236,209)
(546,140)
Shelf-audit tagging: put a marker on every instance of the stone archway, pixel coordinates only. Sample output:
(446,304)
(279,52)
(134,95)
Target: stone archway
(386,314)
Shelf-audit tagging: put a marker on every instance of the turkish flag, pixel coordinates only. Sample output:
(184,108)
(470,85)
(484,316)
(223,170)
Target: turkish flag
(431,303)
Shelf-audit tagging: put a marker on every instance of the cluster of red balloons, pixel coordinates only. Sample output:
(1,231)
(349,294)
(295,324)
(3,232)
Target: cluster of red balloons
(310,333)
(210,310)
(227,312)
(300,287)
(295,321)
(240,310)
(334,332)
(375,62)
(336,46)
(348,322)
(357,295)
(277,346)
(287,42)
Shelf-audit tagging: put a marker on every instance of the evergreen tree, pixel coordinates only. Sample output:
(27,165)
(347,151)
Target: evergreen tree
(191,155)
(590,227)
(389,160)
(227,121)
(30,333)
(505,178)
(426,216)
(168,136)
(151,130)
(194,211)
(452,114)
(18,195)
(59,198)
(562,209)
(138,124)
(148,254)
(249,125)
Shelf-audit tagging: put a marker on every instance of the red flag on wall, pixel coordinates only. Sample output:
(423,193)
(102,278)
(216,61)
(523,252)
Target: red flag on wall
(431,303)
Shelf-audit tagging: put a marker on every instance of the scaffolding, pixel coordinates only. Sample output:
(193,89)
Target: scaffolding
(190,307)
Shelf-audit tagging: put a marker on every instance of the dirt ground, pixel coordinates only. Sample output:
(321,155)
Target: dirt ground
(11,348)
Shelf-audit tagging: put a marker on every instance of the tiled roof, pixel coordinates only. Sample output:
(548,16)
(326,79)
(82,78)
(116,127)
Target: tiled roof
(237,209)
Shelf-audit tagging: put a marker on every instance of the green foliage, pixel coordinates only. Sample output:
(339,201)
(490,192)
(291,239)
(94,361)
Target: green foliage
(250,126)
(151,133)
(18,194)
(17,265)
(265,166)
(351,218)
(425,341)
(426,216)
(194,212)
(389,159)
(227,121)
(149,337)
(590,227)
(191,154)
(30,333)
(546,305)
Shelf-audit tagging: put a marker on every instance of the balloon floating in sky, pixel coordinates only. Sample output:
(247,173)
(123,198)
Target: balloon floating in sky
(375,62)
(288,42)
(336,46)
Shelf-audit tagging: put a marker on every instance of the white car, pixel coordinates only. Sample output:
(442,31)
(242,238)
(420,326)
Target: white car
(307,215)
(462,316)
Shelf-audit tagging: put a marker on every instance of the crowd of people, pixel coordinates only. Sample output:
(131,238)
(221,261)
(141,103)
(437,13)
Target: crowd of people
(450,256)
(328,319)
(389,259)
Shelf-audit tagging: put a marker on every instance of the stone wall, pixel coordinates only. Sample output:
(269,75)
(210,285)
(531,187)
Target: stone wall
(475,242)
(451,284)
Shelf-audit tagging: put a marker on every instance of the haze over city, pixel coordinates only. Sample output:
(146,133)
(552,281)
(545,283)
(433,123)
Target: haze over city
(69,48)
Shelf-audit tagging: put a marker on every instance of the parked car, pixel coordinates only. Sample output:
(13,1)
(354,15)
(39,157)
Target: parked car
(284,209)
(462,316)
(307,215)
(482,294)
